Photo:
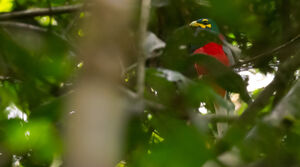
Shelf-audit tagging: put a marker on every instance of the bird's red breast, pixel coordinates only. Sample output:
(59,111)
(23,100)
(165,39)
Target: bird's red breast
(215,50)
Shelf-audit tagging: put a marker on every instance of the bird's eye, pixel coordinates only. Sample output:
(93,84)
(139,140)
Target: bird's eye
(205,22)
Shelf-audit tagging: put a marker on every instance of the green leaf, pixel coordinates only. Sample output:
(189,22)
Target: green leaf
(181,43)
(182,146)
(6,5)
(222,75)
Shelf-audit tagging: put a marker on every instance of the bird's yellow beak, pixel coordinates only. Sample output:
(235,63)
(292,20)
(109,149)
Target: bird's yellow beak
(196,24)
(193,24)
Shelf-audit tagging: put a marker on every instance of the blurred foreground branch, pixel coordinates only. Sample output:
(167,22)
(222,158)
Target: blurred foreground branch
(282,118)
(94,135)
(288,108)
(286,70)
(280,81)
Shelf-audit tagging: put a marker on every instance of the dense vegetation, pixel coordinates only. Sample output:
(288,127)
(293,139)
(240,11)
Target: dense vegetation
(39,48)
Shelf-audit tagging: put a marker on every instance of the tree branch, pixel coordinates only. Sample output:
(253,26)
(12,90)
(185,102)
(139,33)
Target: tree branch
(248,117)
(268,53)
(282,76)
(41,12)
(22,25)
(145,12)
(287,108)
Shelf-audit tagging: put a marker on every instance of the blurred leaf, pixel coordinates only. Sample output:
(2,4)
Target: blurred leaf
(222,75)
(182,146)
(181,43)
(239,11)
(6,5)
(138,136)
(203,92)
(174,76)
(41,69)
(45,20)
(38,135)
(35,66)
(52,110)
(167,91)
(194,91)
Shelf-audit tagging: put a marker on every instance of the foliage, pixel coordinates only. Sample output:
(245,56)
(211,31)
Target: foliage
(38,66)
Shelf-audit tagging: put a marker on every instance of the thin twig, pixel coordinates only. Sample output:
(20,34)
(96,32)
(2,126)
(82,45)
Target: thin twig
(41,12)
(268,53)
(28,27)
(145,11)
(22,25)
(50,15)
(73,21)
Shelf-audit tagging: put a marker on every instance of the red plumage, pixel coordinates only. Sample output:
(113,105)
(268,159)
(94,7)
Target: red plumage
(215,50)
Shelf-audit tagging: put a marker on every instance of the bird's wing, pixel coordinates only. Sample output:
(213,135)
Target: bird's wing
(229,54)
(233,52)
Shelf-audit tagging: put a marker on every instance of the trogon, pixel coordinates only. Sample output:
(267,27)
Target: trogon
(220,52)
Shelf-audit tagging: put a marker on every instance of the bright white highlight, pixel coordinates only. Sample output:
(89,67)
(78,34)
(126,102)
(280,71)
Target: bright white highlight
(202,109)
(14,112)
(257,80)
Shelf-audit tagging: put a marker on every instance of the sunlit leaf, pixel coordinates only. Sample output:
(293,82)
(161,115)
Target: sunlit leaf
(6,5)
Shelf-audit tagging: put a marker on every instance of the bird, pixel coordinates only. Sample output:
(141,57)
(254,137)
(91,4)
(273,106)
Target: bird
(221,52)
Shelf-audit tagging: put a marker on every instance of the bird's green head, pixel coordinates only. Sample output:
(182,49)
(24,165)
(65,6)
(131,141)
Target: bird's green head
(205,24)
